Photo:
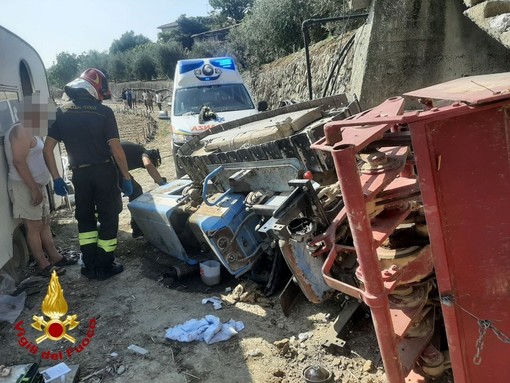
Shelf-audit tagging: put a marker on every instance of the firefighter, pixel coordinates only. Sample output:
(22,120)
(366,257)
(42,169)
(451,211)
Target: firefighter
(89,132)
(140,158)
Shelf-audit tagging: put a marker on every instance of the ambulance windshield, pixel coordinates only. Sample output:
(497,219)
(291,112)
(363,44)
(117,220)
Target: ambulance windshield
(219,98)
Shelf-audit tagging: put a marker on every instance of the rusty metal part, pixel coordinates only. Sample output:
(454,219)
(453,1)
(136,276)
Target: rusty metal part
(289,296)
(333,339)
(434,362)
(377,162)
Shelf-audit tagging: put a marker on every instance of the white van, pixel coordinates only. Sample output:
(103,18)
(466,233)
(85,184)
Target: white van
(22,74)
(207,92)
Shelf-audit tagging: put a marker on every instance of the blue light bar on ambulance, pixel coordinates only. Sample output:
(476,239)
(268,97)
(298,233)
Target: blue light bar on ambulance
(190,65)
(224,63)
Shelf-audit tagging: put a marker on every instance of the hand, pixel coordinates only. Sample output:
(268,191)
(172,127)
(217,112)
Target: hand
(162,182)
(60,187)
(127,187)
(37,196)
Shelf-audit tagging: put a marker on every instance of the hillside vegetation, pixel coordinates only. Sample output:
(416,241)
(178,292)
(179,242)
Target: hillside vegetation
(265,30)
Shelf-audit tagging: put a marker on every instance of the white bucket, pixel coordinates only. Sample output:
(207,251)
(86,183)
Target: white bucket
(210,272)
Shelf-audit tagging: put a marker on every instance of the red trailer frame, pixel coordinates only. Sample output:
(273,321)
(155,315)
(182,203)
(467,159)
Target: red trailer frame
(462,158)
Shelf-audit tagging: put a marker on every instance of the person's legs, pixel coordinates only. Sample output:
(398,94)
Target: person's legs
(47,242)
(85,215)
(109,205)
(34,242)
(20,196)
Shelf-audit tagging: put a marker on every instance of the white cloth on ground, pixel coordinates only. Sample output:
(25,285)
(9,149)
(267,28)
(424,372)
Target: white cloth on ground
(208,329)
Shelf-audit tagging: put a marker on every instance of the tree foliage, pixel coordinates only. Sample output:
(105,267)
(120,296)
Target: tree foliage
(233,10)
(166,58)
(64,70)
(186,27)
(144,66)
(118,68)
(273,28)
(128,41)
(209,49)
(93,59)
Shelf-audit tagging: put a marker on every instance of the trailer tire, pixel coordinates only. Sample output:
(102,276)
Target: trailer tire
(21,256)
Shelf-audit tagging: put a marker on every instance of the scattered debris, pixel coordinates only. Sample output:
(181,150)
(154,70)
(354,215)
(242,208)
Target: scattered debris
(4,371)
(138,349)
(279,374)
(217,302)
(305,335)
(11,307)
(254,353)
(121,369)
(281,343)
(248,292)
(367,366)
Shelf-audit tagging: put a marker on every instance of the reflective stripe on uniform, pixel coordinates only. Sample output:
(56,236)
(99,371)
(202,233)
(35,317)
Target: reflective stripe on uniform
(108,245)
(88,238)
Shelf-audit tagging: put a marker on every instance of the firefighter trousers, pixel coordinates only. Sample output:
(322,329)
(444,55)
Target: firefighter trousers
(97,191)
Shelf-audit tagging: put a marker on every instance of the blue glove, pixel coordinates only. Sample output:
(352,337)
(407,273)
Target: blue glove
(162,182)
(60,187)
(127,187)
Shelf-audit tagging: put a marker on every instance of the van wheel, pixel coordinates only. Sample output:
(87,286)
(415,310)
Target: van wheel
(15,267)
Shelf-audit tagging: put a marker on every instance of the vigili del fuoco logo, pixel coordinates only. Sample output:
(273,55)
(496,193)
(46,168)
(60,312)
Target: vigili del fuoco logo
(54,307)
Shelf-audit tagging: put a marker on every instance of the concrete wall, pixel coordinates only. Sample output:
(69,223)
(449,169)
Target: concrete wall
(414,43)
(405,45)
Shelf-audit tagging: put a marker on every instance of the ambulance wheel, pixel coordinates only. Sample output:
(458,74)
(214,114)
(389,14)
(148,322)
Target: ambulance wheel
(15,267)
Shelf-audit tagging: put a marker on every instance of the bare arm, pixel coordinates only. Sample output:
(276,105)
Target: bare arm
(120,157)
(21,141)
(151,169)
(49,157)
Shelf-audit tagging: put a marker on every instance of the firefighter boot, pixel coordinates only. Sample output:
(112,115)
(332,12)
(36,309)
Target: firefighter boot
(89,272)
(103,273)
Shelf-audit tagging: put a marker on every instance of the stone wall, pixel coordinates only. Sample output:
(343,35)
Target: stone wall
(285,79)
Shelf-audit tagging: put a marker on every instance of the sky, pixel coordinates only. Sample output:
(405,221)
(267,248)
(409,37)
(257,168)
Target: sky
(55,26)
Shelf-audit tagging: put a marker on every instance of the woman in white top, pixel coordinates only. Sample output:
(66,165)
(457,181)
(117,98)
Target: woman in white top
(28,177)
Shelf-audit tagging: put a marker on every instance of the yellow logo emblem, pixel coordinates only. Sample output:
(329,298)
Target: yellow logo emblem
(54,306)
(96,80)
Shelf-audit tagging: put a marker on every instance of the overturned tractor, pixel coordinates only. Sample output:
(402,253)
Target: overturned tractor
(406,211)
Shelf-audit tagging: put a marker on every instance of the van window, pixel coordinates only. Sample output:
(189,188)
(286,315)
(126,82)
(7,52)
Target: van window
(26,79)
(220,98)
(8,103)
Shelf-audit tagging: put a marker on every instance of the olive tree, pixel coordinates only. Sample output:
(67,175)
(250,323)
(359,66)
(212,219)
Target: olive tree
(65,69)
(272,29)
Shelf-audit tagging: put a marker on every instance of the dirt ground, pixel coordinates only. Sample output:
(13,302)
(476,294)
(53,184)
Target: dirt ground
(137,306)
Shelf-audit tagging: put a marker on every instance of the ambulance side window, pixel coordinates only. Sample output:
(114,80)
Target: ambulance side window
(26,79)
(8,101)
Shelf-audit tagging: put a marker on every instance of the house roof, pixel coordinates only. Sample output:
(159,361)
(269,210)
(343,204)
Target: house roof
(214,32)
(169,25)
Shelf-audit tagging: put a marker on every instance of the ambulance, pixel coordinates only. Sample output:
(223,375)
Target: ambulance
(22,74)
(207,91)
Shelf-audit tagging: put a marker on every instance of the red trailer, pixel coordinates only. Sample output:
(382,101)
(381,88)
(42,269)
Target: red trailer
(456,168)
